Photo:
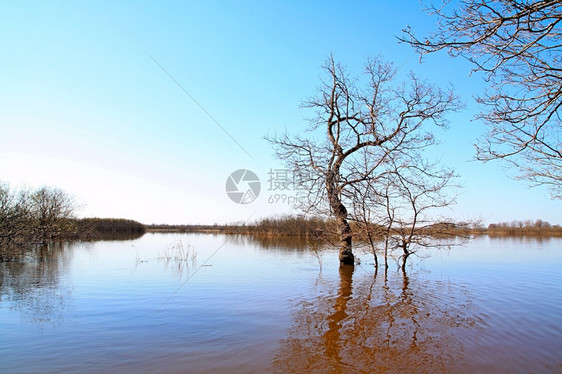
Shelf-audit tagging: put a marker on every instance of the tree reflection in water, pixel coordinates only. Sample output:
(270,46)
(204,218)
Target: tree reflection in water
(389,323)
(33,287)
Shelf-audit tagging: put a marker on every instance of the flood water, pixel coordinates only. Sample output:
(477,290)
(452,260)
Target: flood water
(202,303)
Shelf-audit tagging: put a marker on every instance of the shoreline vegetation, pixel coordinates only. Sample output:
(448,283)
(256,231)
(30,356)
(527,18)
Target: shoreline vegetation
(310,227)
(92,229)
(34,218)
(31,219)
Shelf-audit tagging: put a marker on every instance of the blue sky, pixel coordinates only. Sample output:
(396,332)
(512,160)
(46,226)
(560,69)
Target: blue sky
(83,105)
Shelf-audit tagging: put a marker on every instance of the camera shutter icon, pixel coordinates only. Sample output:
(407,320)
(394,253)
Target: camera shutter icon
(243,186)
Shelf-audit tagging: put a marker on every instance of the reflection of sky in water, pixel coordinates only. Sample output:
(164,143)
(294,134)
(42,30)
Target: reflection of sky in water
(272,305)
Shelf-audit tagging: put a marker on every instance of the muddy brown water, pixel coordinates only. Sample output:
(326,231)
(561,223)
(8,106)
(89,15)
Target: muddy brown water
(203,303)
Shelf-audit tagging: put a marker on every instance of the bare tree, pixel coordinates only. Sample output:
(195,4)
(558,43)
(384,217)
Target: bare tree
(14,215)
(356,131)
(517,45)
(420,192)
(50,208)
(368,218)
(401,208)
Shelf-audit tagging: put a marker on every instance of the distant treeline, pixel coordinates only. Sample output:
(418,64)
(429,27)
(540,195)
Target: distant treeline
(282,226)
(302,226)
(288,226)
(524,228)
(95,226)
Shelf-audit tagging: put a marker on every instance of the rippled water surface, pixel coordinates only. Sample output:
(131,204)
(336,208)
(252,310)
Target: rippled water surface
(201,303)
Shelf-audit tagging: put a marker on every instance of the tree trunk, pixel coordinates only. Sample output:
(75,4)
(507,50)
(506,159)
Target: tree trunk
(405,255)
(346,253)
(340,212)
(371,242)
